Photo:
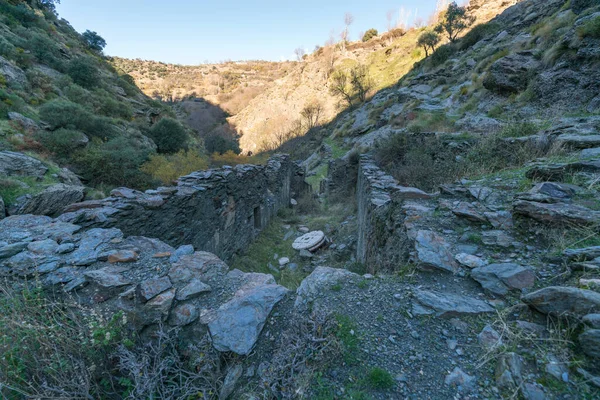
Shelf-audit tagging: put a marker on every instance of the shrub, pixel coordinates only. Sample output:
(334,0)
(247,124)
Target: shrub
(370,34)
(590,28)
(170,167)
(115,162)
(478,33)
(107,105)
(169,135)
(220,145)
(50,349)
(84,72)
(45,50)
(63,142)
(379,378)
(65,114)
(442,54)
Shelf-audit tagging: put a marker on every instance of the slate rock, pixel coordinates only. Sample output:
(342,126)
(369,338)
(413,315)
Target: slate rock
(123,256)
(152,287)
(21,165)
(200,265)
(157,310)
(469,260)
(592,320)
(319,281)
(238,323)
(92,244)
(44,247)
(500,278)
(590,343)
(559,214)
(508,372)
(52,200)
(2,208)
(107,278)
(433,251)
(460,379)
(447,304)
(193,289)
(12,249)
(564,301)
(489,338)
(184,250)
(233,375)
(183,315)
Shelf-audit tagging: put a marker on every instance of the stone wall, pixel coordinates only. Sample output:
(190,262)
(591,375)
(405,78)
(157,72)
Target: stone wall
(219,211)
(384,242)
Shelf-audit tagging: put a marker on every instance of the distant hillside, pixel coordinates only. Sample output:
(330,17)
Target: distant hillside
(265,101)
(63,103)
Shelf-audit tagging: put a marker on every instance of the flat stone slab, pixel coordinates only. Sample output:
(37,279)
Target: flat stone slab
(564,301)
(238,322)
(309,240)
(447,304)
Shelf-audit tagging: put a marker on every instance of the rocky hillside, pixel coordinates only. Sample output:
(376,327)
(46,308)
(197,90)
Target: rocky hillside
(265,100)
(65,106)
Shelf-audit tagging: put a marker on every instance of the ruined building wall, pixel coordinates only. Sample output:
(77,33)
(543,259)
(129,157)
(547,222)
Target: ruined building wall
(219,211)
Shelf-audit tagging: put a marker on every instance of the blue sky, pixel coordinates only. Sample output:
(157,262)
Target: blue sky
(194,31)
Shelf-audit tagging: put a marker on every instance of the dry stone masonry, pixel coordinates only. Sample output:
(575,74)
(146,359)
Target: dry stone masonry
(219,210)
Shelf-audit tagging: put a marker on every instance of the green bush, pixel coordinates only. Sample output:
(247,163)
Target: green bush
(169,135)
(19,14)
(590,28)
(45,50)
(65,114)
(63,142)
(370,34)
(478,33)
(218,144)
(379,378)
(107,105)
(115,162)
(442,54)
(84,72)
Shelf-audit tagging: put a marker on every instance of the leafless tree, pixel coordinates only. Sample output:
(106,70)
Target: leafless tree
(361,81)
(345,35)
(311,113)
(299,53)
(391,24)
(340,87)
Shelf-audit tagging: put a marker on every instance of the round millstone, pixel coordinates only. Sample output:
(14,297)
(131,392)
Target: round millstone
(309,241)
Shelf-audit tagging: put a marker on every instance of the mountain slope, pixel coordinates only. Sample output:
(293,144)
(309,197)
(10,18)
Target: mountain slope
(61,102)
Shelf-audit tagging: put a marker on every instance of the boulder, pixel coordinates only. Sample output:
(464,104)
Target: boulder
(559,214)
(319,281)
(183,314)
(150,288)
(237,324)
(592,320)
(433,251)
(107,278)
(583,254)
(200,265)
(590,343)
(564,301)
(67,177)
(92,244)
(53,200)
(25,123)
(511,74)
(233,375)
(193,289)
(579,141)
(469,260)
(12,73)
(157,310)
(489,338)
(461,379)
(555,190)
(509,371)
(470,212)
(447,304)
(500,278)
(20,165)
(497,238)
